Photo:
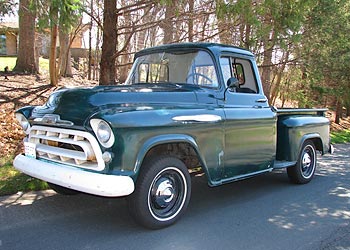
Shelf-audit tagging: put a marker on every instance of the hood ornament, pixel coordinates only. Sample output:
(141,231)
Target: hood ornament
(53,119)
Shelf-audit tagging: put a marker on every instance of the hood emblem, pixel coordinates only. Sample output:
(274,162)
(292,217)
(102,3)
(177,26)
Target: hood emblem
(53,119)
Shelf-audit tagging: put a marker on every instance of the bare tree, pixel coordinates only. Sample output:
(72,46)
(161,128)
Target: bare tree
(65,66)
(26,59)
(108,58)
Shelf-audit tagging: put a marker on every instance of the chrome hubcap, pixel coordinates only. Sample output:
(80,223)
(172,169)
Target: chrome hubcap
(167,194)
(308,162)
(164,193)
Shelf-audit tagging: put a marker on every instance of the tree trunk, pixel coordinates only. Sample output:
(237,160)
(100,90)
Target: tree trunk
(96,57)
(90,40)
(266,71)
(53,42)
(167,25)
(339,111)
(347,105)
(26,50)
(190,20)
(65,55)
(275,89)
(109,43)
(223,24)
(123,68)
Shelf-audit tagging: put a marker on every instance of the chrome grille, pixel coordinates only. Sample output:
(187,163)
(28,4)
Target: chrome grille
(66,146)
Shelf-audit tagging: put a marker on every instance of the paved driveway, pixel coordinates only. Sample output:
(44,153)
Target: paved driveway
(266,212)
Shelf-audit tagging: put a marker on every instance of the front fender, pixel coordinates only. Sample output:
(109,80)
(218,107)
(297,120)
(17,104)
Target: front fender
(26,111)
(165,139)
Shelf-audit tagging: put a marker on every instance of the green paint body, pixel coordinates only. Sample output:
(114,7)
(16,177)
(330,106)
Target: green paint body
(233,134)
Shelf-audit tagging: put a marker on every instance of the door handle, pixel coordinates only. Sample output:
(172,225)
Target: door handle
(262,100)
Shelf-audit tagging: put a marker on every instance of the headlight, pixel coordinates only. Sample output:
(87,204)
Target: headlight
(23,121)
(103,132)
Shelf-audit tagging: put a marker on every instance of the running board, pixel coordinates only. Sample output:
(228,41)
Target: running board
(284,164)
(241,177)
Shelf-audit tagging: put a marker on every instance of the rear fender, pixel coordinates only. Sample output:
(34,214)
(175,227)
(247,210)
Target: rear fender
(293,131)
(315,138)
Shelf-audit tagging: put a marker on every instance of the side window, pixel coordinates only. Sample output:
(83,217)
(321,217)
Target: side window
(238,72)
(242,70)
(225,68)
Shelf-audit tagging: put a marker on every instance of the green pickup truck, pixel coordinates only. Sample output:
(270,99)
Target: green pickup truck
(185,109)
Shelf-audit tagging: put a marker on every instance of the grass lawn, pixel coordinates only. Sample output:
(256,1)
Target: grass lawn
(7,61)
(11,62)
(12,181)
(340,136)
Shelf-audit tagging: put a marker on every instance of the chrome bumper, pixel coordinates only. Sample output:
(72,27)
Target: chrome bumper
(75,178)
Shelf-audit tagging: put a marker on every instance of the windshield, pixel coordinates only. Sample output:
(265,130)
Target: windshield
(191,67)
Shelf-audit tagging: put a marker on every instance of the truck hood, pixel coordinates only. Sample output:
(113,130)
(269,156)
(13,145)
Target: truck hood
(77,105)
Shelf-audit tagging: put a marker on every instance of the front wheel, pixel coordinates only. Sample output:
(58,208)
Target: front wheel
(162,192)
(305,168)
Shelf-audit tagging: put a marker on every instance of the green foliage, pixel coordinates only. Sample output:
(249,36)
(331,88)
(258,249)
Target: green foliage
(314,34)
(12,181)
(302,97)
(327,47)
(65,13)
(340,136)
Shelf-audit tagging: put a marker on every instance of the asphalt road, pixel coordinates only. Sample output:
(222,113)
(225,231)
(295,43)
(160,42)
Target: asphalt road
(266,212)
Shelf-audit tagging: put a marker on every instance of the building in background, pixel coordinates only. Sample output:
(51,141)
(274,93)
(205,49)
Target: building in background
(8,38)
(9,41)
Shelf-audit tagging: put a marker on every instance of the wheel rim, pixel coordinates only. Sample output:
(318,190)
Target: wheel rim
(167,194)
(308,162)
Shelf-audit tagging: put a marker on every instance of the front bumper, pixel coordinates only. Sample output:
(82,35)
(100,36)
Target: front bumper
(75,178)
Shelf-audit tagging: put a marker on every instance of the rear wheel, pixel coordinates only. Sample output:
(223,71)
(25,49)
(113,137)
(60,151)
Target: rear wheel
(62,190)
(162,192)
(304,170)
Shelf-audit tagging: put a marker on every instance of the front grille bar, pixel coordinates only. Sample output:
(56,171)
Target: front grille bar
(84,150)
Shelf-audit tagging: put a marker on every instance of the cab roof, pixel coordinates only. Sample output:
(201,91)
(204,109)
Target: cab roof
(215,48)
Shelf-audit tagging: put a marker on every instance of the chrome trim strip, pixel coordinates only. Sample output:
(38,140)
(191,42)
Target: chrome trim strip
(197,118)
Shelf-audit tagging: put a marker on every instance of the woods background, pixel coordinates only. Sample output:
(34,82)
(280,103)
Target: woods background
(302,46)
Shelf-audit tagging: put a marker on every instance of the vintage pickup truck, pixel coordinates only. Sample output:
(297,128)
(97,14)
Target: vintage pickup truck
(184,109)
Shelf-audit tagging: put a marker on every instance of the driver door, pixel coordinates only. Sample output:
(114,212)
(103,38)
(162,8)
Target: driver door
(250,128)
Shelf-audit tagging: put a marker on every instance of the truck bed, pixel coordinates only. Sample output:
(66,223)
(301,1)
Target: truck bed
(297,111)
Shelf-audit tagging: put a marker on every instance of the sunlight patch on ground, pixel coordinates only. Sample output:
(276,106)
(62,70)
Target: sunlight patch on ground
(23,199)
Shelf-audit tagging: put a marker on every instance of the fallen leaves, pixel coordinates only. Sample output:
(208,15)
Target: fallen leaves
(20,91)
(11,134)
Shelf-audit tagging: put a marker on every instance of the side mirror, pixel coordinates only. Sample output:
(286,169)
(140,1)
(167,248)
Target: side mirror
(232,82)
